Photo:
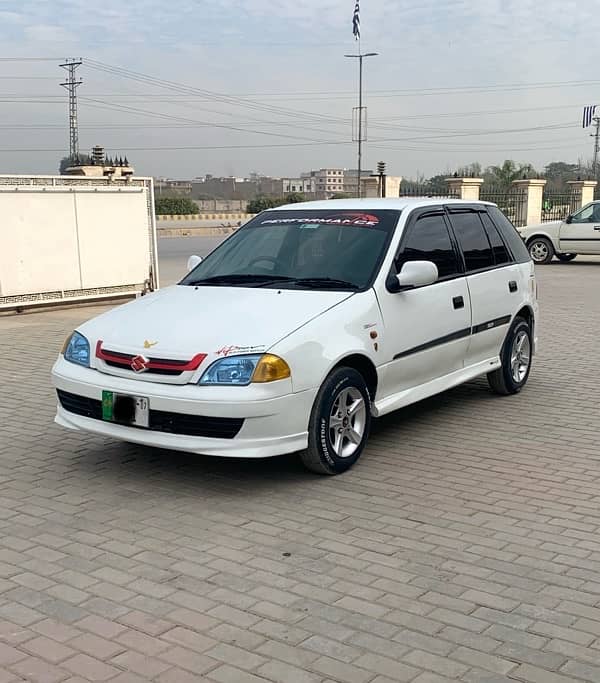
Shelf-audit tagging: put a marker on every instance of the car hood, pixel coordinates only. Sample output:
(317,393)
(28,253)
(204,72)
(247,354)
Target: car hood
(179,322)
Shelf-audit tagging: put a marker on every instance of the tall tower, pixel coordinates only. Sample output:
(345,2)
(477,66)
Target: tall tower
(71,84)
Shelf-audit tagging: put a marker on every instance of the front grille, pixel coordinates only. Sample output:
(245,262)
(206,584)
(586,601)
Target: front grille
(160,421)
(153,371)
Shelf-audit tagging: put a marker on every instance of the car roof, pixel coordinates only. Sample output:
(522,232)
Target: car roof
(394,203)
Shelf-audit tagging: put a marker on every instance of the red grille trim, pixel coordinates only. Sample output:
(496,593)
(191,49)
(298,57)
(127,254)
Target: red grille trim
(124,360)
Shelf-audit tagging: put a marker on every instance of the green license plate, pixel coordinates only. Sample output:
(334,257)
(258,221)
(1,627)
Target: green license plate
(125,409)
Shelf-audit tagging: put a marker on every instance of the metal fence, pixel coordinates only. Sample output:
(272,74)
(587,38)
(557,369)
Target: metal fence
(556,207)
(426,190)
(512,202)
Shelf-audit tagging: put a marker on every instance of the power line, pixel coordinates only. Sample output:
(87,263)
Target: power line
(136,110)
(217,97)
(187,147)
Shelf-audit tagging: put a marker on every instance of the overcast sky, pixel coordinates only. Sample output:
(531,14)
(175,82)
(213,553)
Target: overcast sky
(453,76)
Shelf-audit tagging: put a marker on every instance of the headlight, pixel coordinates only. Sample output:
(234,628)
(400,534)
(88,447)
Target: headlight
(77,350)
(242,370)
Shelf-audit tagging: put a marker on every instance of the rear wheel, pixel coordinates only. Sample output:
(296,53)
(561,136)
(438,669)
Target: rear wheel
(540,250)
(339,423)
(516,356)
(565,257)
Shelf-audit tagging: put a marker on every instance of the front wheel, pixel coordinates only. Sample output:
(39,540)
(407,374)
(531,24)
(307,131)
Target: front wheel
(541,250)
(339,423)
(516,356)
(565,258)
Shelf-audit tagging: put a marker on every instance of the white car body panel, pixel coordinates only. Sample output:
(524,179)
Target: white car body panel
(313,331)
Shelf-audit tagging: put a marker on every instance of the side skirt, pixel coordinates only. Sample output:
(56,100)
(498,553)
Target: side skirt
(435,386)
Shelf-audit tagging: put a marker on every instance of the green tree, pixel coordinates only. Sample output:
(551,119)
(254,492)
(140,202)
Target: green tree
(472,170)
(171,206)
(504,176)
(262,203)
(294,198)
(558,173)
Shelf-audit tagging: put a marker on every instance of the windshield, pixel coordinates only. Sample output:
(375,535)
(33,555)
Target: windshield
(301,249)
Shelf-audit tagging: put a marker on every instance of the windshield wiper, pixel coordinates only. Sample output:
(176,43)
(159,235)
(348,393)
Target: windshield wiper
(237,278)
(324,282)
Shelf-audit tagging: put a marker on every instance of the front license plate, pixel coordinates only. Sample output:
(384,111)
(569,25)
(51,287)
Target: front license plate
(125,409)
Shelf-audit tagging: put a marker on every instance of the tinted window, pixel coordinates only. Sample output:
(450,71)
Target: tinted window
(509,233)
(501,254)
(473,240)
(429,240)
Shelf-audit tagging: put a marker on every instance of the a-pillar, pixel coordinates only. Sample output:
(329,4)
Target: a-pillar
(465,188)
(529,210)
(583,191)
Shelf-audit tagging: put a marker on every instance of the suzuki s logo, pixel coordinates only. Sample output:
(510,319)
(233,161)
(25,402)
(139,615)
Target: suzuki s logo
(139,363)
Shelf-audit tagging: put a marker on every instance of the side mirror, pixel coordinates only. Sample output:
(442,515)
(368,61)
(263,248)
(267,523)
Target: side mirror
(193,261)
(569,219)
(417,274)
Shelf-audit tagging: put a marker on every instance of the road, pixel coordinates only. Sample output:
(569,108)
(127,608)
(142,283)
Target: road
(173,253)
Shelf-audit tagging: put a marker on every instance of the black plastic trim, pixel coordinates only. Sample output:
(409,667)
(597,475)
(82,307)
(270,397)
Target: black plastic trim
(490,324)
(454,336)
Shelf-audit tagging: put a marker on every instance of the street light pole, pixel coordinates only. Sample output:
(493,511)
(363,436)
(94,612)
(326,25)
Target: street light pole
(360,56)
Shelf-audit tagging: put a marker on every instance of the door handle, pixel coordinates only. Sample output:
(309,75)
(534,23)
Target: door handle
(596,227)
(512,286)
(458,302)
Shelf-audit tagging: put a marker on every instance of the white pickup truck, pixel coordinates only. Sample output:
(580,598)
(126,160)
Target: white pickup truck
(579,233)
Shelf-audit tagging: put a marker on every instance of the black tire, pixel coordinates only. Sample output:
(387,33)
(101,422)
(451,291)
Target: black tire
(504,380)
(541,250)
(565,258)
(321,455)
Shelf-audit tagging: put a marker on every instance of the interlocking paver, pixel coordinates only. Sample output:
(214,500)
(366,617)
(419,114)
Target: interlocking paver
(464,545)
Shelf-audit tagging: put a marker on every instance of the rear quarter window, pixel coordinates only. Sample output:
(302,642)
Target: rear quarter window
(509,234)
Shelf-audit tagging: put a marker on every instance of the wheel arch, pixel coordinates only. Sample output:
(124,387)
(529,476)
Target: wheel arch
(540,233)
(527,313)
(362,364)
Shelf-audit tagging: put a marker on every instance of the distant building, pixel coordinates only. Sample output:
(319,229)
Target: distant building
(181,188)
(306,186)
(327,181)
(98,166)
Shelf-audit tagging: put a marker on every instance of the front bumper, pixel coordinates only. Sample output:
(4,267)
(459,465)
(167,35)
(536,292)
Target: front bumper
(275,418)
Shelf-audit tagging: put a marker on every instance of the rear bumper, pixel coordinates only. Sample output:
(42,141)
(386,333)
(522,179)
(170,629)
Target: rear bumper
(271,426)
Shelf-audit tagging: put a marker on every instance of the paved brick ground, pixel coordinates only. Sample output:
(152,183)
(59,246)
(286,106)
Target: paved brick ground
(463,547)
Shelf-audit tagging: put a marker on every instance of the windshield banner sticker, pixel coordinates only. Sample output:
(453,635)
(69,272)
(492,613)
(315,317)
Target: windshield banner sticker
(358,219)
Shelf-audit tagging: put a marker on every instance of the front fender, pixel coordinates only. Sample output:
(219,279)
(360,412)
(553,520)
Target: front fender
(353,327)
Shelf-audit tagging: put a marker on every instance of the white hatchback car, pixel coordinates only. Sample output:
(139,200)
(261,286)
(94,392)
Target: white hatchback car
(303,325)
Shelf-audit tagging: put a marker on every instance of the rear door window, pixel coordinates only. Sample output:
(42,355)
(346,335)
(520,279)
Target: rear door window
(501,254)
(472,239)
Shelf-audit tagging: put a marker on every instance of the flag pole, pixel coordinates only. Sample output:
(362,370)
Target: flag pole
(596,146)
(360,56)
